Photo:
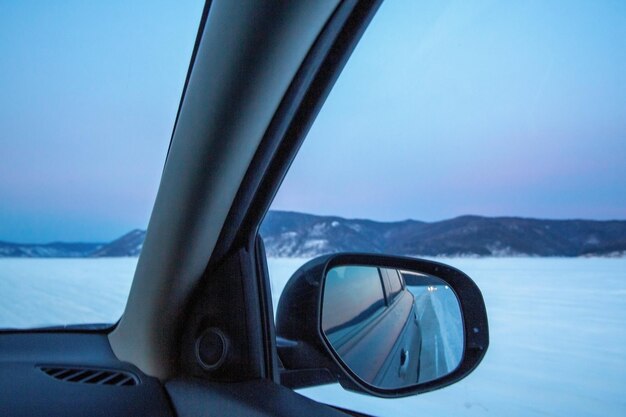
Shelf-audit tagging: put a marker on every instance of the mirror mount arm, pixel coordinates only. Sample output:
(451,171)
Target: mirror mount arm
(293,355)
(303,378)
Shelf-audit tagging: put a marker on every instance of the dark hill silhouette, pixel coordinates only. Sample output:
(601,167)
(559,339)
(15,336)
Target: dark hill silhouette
(297,234)
(291,234)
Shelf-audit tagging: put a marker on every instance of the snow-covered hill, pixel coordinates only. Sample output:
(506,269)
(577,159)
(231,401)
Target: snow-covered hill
(128,245)
(291,235)
(47,250)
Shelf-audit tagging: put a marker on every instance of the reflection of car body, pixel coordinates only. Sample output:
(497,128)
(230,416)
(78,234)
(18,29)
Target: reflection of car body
(377,335)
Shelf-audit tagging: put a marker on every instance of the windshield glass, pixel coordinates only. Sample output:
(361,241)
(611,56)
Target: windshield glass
(491,136)
(90,92)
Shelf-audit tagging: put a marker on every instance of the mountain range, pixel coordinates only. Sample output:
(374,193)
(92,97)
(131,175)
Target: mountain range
(129,244)
(291,234)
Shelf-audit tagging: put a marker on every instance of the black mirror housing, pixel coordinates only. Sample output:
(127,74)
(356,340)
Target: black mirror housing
(308,357)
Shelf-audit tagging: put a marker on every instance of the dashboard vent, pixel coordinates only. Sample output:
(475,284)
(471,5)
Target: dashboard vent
(91,376)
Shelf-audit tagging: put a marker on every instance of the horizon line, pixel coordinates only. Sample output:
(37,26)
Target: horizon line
(78,242)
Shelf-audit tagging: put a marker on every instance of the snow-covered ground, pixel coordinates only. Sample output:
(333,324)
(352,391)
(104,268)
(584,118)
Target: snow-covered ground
(558,330)
(38,292)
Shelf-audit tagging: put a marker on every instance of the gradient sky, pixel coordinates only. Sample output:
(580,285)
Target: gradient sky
(90,91)
(445,108)
(481,107)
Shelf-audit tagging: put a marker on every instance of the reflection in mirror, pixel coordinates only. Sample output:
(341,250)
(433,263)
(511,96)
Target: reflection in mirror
(392,328)
(440,318)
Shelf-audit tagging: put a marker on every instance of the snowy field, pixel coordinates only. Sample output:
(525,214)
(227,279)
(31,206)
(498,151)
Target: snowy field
(558,330)
(36,292)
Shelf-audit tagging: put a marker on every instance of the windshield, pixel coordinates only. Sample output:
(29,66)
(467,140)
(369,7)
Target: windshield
(90,92)
(490,136)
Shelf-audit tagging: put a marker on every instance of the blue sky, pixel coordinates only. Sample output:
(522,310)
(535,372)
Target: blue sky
(446,108)
(482,107)
(90,92)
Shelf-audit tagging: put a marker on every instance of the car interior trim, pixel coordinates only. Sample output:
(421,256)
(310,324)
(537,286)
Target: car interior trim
(227,107)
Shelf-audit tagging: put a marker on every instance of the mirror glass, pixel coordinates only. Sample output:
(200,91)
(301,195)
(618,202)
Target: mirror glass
(393,328)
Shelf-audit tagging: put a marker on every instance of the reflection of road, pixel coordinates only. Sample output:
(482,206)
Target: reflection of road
(442,334)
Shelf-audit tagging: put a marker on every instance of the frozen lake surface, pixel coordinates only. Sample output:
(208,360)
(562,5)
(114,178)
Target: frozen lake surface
(558,330)
(37,292)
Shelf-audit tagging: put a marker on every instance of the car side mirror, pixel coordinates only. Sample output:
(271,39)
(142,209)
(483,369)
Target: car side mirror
(383,325)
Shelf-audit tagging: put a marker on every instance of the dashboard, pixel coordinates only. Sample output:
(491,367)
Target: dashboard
(61,374)
(33,381)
